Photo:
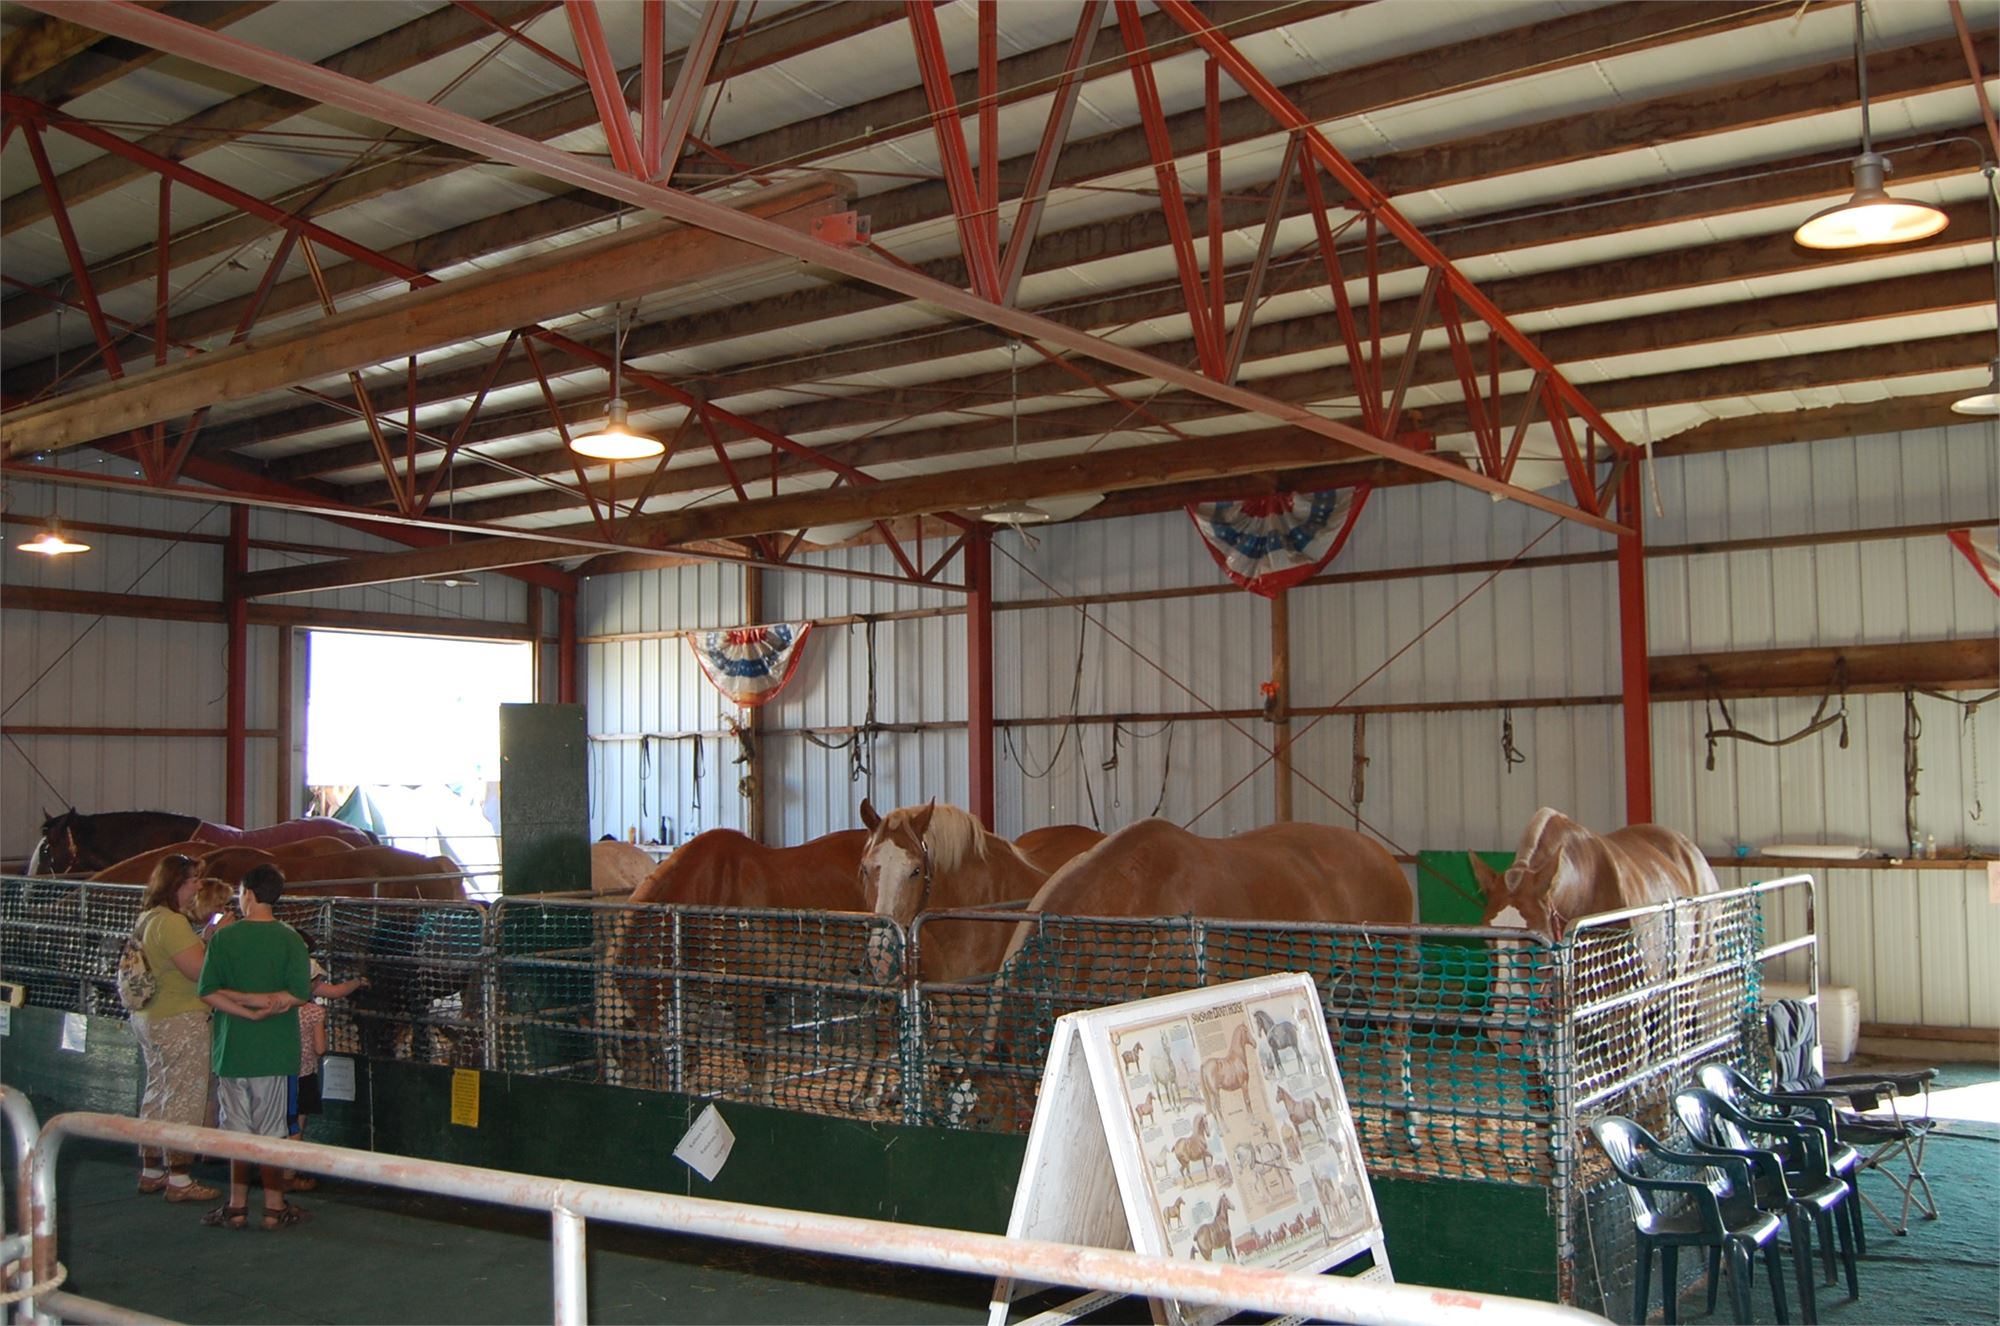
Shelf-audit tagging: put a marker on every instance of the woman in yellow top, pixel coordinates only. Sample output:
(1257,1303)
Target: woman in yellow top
(173,1028)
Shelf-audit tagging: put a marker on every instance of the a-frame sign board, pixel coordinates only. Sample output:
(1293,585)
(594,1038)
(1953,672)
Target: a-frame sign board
(1208,1124)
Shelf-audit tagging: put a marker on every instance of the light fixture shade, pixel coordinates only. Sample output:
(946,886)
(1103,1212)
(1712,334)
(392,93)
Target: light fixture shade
(52,542)
(1985,402)
(616,440)
(1015,513)
(1870,216)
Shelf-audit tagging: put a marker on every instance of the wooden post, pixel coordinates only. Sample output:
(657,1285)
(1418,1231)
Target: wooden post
(1632,652)
(753,715)
(537,673)
(284,808)
(1281,700)
(566,646)
(236,563)
(979,668)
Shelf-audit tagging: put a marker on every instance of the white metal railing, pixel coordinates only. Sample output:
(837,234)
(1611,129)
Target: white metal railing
(570,1205)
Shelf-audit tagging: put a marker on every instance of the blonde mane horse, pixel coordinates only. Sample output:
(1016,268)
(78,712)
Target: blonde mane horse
(936,858)
(1563,872)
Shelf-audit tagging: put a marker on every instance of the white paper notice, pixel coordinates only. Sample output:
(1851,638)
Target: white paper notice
(336,1077)
(75,1028)
(705,1147)
(6,1020)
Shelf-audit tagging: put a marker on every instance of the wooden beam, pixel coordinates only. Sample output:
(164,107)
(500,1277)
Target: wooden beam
(436,33)
(634,262)
(1846,304)
(1939,665)
(39,45)
(92,66)
(148,607)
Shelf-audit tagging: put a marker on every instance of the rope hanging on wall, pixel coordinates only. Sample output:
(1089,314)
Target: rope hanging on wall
(1819,722)
(1913,731)
(1511,755)
(746,755)
(859,743)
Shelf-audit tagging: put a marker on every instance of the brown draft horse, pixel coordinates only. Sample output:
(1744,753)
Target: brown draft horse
(73,842)
(1280,872)
(1563,872)
(719,868)
(310,871)
(940,857)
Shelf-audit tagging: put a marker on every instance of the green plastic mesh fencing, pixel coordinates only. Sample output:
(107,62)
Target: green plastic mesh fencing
(778,1008)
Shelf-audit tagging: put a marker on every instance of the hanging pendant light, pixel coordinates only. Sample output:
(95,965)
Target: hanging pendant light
(1047,509)
(1987,401)
(616,440)
(52,542)
(1870,216)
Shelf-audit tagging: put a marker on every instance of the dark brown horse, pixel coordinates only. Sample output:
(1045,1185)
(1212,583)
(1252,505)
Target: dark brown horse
(721,1027)
(73,842)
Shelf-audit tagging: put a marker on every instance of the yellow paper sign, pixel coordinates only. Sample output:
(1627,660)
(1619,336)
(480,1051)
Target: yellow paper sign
(465,1097)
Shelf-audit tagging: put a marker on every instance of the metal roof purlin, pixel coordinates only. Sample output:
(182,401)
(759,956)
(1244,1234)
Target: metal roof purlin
(224,52)
(1376,204)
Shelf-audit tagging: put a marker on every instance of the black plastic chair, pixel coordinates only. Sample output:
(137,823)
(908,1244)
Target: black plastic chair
(1891,1145)
(1714,1211)
(1845,1162)
(1789,1178)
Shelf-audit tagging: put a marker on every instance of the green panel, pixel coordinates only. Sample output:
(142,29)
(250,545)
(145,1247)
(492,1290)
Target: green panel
(544,798)
(617,1135)
(1447,894)
(106,1078)
(1488,1238)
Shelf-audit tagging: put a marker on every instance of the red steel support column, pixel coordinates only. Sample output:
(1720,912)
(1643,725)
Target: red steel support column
(979,670)
(1632,654)
(565,646)
(236,564)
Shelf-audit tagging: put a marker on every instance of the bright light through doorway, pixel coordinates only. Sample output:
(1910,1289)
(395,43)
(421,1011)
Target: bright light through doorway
(408,709)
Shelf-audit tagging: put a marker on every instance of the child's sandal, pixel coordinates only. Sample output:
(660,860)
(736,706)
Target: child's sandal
(227,1217)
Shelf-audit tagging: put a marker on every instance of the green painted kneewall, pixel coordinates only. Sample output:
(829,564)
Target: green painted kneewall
(1440,1231)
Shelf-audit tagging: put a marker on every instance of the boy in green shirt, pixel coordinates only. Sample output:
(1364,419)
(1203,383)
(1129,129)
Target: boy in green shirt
(255,977)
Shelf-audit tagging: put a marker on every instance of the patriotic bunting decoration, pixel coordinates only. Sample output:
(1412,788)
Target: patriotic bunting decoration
(1982,548)
(1267,544)
(750,664)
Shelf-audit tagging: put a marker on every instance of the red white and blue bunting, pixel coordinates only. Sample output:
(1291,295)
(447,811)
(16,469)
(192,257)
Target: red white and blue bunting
(1267,544)
(750,664)
(1982,548)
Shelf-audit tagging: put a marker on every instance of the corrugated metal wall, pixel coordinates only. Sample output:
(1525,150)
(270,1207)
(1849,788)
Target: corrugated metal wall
(1435,779)
(72,670)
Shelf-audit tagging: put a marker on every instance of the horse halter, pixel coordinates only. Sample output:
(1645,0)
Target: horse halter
(927,871)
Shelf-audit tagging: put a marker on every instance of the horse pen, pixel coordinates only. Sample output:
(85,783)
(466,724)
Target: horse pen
(1469,1055)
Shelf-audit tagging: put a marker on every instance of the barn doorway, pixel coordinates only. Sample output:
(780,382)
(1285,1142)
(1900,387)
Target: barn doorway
(403,739)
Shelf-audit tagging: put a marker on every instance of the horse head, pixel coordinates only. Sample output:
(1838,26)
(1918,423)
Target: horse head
(1525,896)
(60,851)
(896,864)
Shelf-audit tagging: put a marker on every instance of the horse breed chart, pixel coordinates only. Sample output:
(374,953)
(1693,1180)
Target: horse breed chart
(1216,1119)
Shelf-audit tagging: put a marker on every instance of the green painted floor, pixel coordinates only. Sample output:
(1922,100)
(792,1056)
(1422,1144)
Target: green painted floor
(1944,1272)
(372,1255)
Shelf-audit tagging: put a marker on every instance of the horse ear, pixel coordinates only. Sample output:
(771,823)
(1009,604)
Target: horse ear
(920,821)
(1491,882)
(870,817)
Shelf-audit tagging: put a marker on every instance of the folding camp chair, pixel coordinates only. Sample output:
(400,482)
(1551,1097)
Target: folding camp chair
(1891,1144)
